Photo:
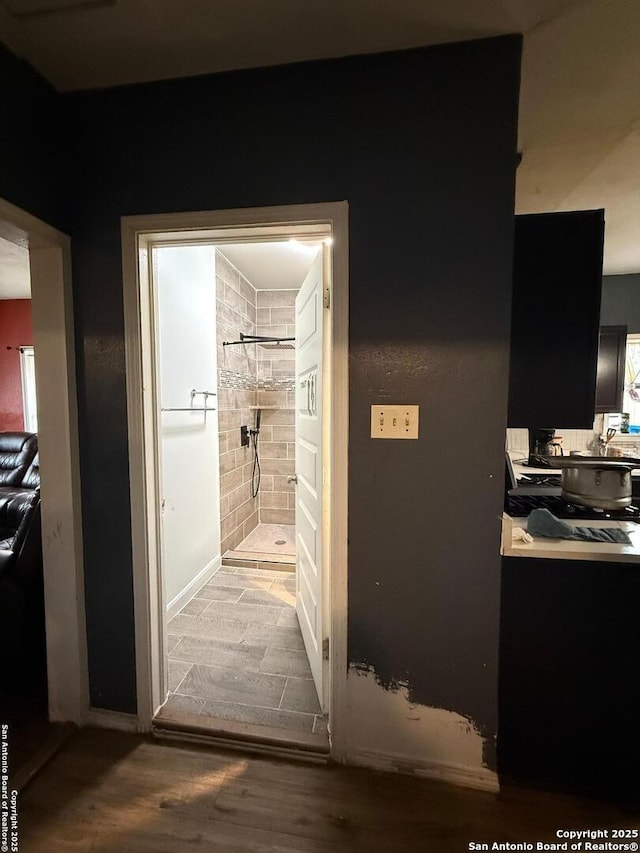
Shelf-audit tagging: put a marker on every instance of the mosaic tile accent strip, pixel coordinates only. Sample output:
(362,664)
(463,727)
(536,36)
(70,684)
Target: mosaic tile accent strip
(237,381)
(281,384)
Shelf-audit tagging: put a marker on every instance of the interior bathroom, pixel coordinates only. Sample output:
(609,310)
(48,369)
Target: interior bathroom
(256,392)
(236,654)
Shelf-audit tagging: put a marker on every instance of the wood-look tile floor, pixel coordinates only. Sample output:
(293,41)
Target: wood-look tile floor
(236,653)
(109,792)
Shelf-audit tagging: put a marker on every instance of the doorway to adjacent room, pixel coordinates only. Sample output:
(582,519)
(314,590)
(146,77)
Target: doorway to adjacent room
(237,572)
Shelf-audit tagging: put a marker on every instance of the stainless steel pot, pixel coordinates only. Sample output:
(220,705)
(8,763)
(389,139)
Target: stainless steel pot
(597,482)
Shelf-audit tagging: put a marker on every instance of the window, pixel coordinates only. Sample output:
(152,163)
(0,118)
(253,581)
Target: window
(29,406)
(631,399)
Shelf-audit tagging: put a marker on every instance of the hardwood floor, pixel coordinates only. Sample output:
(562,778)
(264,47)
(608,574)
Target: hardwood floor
(108,792)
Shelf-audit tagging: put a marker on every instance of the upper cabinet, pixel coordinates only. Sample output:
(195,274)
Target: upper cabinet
(611,366)
(557,281)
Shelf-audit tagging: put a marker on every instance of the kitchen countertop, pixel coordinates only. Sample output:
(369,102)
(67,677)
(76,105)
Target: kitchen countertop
(571,549)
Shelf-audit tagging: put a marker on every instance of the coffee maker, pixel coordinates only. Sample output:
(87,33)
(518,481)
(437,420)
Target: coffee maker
(541,447)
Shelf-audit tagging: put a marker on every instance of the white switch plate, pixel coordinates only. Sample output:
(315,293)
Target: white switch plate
(394,421)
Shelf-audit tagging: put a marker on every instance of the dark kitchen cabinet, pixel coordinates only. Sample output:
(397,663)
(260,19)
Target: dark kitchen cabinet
(612,352)
(555,319)
(568,693)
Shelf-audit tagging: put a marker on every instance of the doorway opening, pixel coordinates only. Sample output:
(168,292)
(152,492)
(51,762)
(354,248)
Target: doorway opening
(42,624)
(240,578)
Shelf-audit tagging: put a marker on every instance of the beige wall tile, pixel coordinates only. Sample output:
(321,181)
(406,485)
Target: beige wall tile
(245,398)
(249,524)
(245,510)
(263,316)
(274,500)
(282,315)
(277,516)
(243,456)
(279,331)
(283,369)
(283,433)
(281,354)
(233,439)
(227,462)
(234,300)
(230,481)
(239,496)
(226,271)
(231,542)
(228,524)
(273,450)
(276,298)
(280,484)
(280,417)
(272,398)
(226,399)
(277,467)
(228,419)
(247,290)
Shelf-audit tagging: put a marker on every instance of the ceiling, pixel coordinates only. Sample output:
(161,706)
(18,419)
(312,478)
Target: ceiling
(81,45)
(579,129)
(272,266)
(15,280)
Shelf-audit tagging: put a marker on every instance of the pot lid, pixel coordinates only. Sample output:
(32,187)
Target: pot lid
(613,463)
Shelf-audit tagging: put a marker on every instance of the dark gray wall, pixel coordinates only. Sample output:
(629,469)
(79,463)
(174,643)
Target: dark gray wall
(422,145)
(621,302)
(31,171)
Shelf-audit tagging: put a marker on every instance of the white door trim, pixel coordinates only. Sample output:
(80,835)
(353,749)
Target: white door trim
(52,315)
(144,540)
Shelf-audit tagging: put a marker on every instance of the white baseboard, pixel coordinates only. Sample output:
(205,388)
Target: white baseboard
(102,719)
(479,778)
(176,604)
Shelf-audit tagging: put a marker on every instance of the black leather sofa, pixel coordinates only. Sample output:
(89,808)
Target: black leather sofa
(21,581)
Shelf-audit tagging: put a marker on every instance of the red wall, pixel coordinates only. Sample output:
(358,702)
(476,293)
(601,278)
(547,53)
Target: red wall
(15,331)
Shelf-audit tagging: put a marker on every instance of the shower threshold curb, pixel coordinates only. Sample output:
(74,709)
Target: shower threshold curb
(259,560)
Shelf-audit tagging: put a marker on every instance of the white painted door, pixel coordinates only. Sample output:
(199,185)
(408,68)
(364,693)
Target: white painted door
(308,373)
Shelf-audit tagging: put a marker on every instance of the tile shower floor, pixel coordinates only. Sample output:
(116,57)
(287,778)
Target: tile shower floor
(236,653)
(268,543)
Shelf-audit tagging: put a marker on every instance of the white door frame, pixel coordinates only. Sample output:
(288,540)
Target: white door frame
(144,508)
(52,316)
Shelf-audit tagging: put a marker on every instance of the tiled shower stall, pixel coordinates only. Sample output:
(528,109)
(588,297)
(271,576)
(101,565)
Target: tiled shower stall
(251,376)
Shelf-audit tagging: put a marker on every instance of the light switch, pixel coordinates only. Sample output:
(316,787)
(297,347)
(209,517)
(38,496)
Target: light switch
(394,421)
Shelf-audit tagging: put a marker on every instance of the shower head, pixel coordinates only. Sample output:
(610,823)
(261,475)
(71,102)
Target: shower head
(277,346)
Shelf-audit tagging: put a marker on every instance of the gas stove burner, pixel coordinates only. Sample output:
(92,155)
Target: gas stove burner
(519,506)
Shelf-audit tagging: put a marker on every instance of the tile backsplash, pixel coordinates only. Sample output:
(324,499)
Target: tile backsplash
(572,439)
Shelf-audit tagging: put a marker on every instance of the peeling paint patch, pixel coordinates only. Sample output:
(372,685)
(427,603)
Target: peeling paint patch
(398,734)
